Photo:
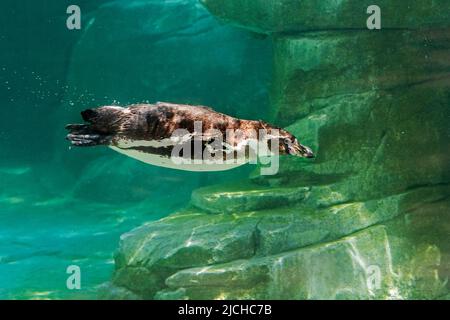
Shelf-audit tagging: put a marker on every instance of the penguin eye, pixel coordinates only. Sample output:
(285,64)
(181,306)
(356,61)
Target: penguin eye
(286,143)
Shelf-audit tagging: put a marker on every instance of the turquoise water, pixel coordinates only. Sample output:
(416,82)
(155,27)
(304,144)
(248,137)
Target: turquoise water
(61,206)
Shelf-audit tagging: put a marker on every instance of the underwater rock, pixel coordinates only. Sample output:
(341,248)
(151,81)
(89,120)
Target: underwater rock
(245,197)
(108,291)
(360,266)
(156,250)
(152,253)
(336,270)
(272,16)
(380,128)
(322,69)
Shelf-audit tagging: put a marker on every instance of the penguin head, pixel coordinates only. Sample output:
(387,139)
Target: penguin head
(290,145)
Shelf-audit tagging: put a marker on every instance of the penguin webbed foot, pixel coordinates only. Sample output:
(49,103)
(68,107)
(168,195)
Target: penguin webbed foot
(88,140)
(82,135)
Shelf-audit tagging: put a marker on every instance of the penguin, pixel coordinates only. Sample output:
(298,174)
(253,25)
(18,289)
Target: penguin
(159,134)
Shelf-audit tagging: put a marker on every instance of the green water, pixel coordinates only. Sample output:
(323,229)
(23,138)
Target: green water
(373,106)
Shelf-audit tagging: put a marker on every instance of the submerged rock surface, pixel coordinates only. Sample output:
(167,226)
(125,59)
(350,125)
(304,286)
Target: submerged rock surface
(367,219)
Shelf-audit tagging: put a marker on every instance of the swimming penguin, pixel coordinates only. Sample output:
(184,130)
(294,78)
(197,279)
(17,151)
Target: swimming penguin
(159,134)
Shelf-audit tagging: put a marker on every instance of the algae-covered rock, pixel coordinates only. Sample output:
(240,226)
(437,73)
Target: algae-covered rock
(239,197)
(347,69)
(375,263)
(108,291)
(151,253)
(376,118)
(355,267)
(311,15)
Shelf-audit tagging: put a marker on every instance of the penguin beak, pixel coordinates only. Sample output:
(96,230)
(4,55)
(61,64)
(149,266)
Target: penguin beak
(300,150)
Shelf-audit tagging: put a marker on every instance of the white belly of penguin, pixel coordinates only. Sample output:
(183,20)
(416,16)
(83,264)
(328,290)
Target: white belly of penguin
(174,162)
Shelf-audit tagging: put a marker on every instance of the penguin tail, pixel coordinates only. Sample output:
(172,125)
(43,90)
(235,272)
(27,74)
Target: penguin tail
(82,135)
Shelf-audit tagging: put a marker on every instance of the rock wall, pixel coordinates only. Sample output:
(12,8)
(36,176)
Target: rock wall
(369,217)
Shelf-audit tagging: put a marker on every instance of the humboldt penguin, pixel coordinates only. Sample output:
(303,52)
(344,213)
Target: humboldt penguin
(152,133)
